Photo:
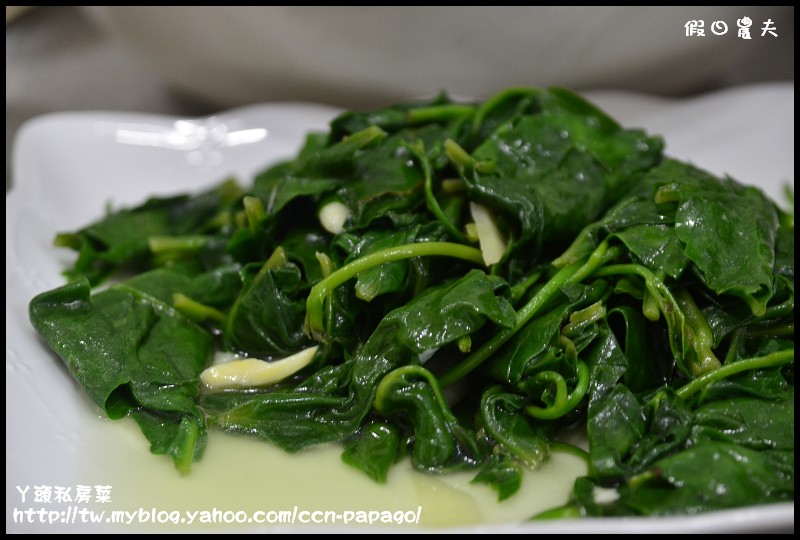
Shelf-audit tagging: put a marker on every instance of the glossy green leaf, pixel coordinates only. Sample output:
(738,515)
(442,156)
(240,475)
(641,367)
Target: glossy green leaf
(132,354)
(374,450)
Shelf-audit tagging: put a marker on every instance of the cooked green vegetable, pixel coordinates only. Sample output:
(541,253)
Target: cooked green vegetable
(628,293)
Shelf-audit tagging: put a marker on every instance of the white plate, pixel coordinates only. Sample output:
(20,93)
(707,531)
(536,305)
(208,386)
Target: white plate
(67,166)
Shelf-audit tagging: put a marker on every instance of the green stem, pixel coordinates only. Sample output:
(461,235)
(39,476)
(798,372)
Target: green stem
(326,264)
(320,291)
(649,304)
(277,259)
(491,103)
(182,244)
(666,303)
(759,362)
(701,338)
(397,376)
(459,157)
(564,402)
(560,401)
(433,205)
(581,319)
(186,441)
(519,289)
(600,256)
(504,334)
(571,449)
(486,166)
(772,331)
(454,186)
(569,274)
(653,284)
(567,511)
(254,210)
(356,141)
(439,113)
(195,310)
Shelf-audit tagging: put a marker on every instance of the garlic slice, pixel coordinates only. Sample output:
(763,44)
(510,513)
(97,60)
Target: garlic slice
(333,216)
(253,372)
(493,245)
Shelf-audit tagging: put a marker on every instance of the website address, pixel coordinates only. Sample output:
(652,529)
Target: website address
(74,514)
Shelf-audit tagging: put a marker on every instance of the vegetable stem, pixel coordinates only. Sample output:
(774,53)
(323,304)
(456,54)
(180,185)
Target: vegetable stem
(519,289)
(504,334)
(195,310)
(666,303)
(314,303)
(584,317)
(701,338)
(494,101)
(564,401)
(396,377)
(254,210)
(569,274)
(459,157)
(649,304)
(326,264)
(276,260)
(430,200)
(439,113)
(567,511)
(759,362)
(182,244)
(571,449)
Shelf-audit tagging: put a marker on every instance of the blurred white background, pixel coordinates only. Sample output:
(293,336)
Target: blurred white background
(197,60)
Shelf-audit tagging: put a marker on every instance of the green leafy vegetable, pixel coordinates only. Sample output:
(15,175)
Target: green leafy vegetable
(132,353)
(634,295)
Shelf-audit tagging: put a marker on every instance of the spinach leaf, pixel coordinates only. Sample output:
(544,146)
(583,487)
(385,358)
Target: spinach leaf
(132,354)
(501,414)
(373,450)
(748,421)
(711,476)
(122,237)
(729,231)
(555,173)
(503,474)
(266,319)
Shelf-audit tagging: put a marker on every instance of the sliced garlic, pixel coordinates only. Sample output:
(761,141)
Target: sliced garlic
(491,240)
(333,216)
(426,355)
(253,372)
(604,495)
